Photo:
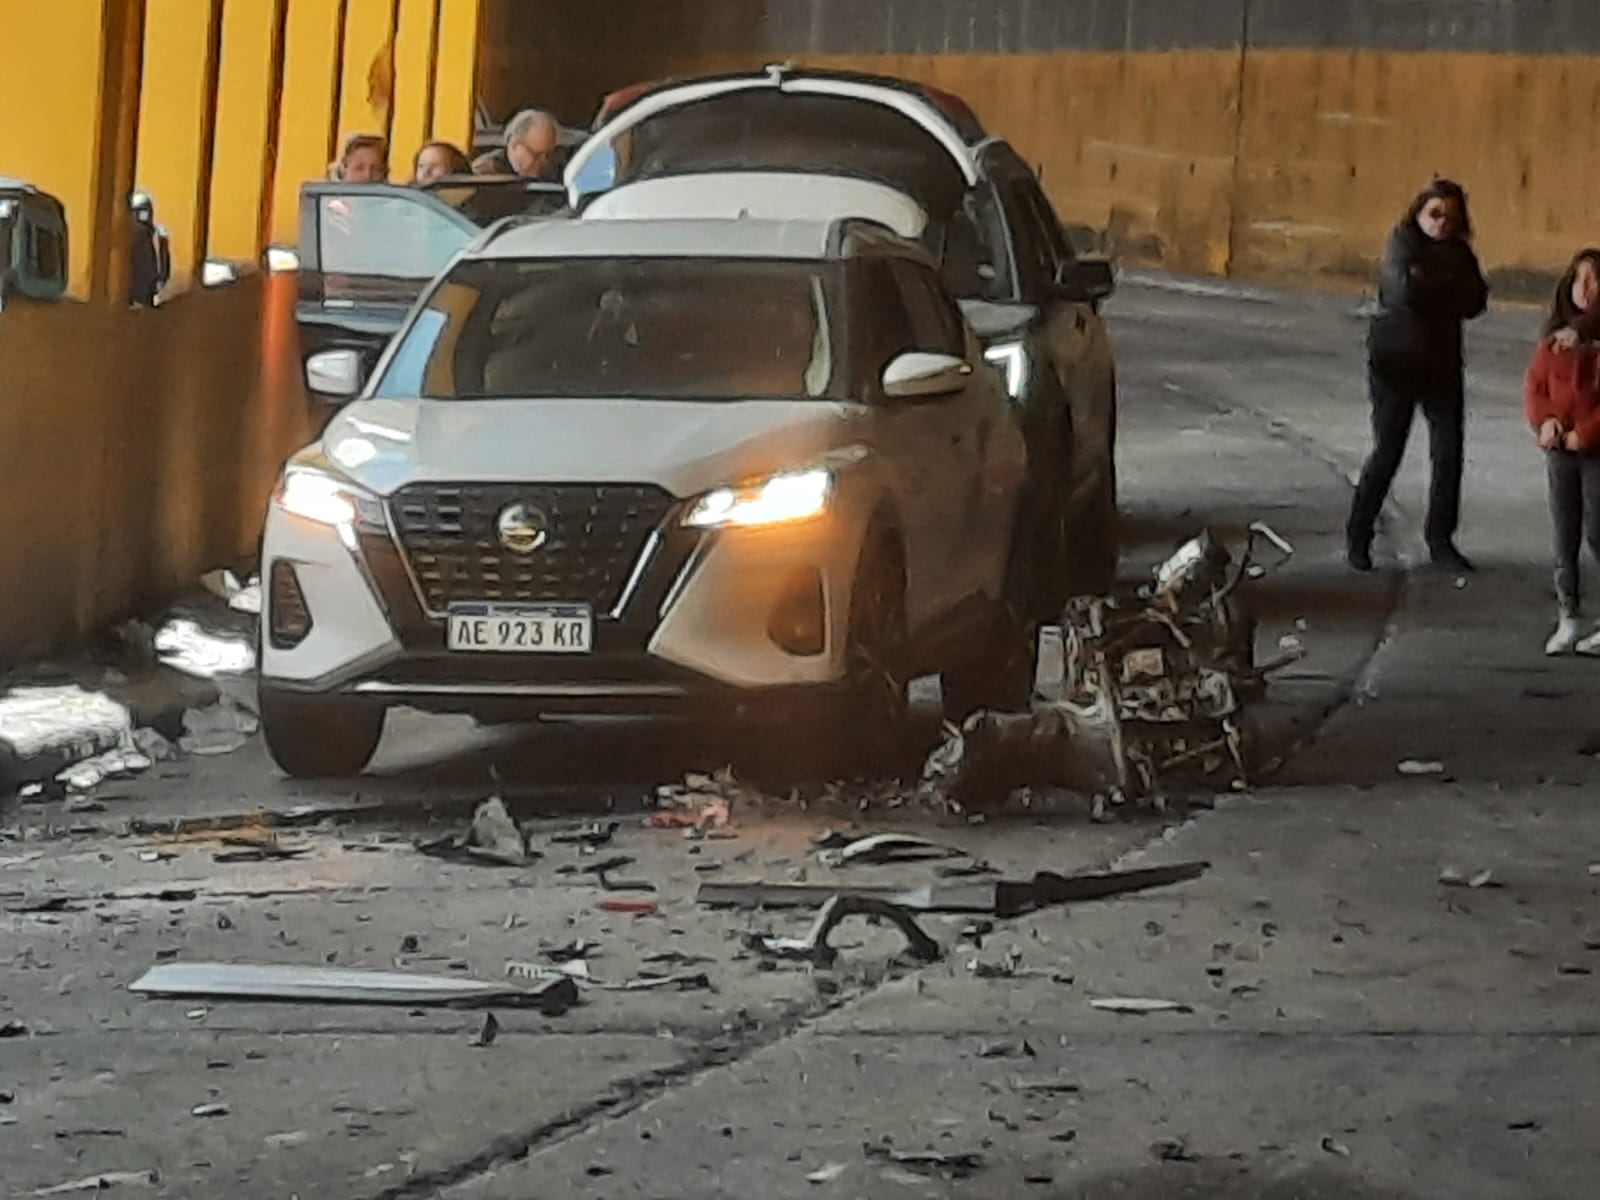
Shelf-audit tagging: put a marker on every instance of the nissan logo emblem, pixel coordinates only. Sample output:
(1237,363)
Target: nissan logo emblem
(522,528)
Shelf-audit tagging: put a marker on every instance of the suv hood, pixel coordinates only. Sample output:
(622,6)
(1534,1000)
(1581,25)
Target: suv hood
(684,446)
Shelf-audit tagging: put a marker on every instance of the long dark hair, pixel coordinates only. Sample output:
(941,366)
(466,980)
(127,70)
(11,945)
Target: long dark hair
(1564,314)
(1442,189)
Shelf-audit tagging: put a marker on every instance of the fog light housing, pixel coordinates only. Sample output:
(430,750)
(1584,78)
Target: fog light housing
(291,617)
(798,623)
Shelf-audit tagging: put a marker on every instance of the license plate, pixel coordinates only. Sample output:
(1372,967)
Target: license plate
(521,628)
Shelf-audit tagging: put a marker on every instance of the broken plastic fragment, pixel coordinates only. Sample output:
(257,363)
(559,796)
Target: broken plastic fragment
(1415,767)
(185,646)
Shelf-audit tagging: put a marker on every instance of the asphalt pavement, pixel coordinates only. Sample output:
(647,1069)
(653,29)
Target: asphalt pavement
(1344,1025)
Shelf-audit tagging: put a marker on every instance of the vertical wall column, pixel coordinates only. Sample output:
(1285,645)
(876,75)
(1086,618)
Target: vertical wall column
(308,109)
(411,117)
(177,121)
(247,96)
(367,77)
(455,70)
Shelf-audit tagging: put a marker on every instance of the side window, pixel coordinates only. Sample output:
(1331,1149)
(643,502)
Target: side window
(976,261)
(936,323)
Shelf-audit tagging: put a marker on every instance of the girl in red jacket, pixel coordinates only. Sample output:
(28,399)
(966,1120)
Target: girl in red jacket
(1562,395)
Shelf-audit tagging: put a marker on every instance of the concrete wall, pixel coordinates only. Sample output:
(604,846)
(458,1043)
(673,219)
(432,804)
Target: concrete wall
(1267,138)
(137,449)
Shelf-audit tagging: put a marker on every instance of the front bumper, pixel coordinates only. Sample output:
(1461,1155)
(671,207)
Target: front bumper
(689,631)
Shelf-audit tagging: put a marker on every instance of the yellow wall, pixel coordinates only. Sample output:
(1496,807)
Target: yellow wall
(55,147)
(137,448)
(1284,164)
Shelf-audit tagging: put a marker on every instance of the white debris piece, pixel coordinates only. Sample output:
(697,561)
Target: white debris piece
(185,646)
(79,722)
(220,729)
(1413,767)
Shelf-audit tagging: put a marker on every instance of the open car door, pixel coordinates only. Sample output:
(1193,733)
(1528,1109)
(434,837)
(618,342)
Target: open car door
(368,250)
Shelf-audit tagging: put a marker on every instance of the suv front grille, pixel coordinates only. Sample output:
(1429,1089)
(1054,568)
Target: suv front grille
(595,534)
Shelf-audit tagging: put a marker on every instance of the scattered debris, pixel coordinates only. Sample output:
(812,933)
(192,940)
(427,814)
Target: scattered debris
(1529,1125)
(285,1141)
(1007,1049)
(1333,1146)
(1003,898)
(1173,1150)
(579,972)
(888,848)
(103,1182)
(957,1165)
(210,1110)
(602,871)
(1573,969)
(257,849)
(334,985)
(1039,1177)
(628,906)
(492,838)
(814,947)
(594,834)
(1415,767)
(221,729)
(1048,1087)
(827,1174)
(1066,1136)
(701,801)
(1139,1007)
(1153,691)
(47,904)
(13,1029)
(1453,877)
(241,597)
(572,950)
(45,730)
(490,1030)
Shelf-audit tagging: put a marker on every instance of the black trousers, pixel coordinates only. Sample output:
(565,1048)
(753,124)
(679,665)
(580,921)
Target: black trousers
(1574,511)
(1394,408)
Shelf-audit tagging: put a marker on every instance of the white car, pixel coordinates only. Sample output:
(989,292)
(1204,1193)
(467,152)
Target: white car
(729,467)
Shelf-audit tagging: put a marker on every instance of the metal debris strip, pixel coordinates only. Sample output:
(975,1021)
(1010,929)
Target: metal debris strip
(1153,689)
(990,897)
(887,848)
(814,947)
(337,985)
(953,1165)
(493,839)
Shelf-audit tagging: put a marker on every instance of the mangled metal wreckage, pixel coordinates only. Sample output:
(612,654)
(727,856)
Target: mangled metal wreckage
(1152,696)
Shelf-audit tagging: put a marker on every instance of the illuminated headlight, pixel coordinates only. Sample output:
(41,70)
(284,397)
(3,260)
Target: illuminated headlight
(1011,359)
(325,500)
(282,258)
(779,500)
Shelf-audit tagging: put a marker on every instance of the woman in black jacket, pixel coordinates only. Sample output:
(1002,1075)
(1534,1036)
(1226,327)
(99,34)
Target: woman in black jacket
(1431,283)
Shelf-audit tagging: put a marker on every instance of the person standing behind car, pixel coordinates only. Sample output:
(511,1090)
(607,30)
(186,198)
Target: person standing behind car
(533,149)
(437,160)
(1562,398)
(1430,284)
(365,160)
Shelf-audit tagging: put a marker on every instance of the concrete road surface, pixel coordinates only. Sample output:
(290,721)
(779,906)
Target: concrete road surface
(1347,1026)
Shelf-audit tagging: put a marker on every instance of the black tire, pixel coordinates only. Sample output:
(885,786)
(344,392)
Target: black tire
(868,718)
(314,737)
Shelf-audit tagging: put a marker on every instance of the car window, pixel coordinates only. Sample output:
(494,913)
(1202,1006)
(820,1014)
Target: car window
(387,237)
(1042,246)
(975,261)
(669,328)
(935,322)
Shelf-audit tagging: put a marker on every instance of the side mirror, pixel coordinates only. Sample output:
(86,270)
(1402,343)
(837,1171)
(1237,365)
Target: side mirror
(918,375)
(336,374)
(1086,280)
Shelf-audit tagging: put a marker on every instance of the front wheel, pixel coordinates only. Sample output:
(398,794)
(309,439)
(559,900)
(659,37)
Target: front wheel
(316,737)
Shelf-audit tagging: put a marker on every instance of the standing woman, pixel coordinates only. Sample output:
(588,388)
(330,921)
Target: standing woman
(1562,395)
(1430,284)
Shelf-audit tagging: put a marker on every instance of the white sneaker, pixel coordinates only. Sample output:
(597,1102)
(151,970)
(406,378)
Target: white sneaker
(1566,639)
(1590,645)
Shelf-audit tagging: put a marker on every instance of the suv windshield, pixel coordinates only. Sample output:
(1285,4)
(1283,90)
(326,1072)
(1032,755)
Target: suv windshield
(668,328)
